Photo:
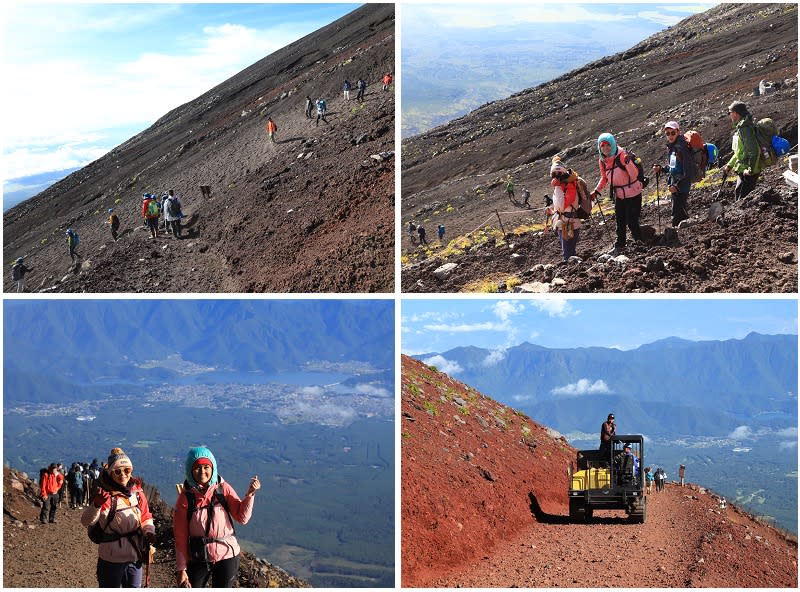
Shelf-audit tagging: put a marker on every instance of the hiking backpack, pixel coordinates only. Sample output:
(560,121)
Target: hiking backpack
(765,131)
(699,151)
(172,208)
(77,479)
(75,238)
(16,272)
(583,200)
(152,209)
(640,176)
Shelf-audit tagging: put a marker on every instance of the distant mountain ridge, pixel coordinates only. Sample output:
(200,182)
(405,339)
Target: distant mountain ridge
(91,339)
(673,385)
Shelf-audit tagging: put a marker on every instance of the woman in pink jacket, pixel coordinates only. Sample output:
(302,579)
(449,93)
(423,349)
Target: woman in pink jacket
(619,170)
(205,541)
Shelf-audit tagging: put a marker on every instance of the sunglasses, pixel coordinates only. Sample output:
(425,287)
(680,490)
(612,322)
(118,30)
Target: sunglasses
(670,133)
(123,471)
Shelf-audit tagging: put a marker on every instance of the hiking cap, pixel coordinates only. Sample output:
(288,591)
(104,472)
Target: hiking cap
(672,125)
(610,416)
(738,107)
(110,210)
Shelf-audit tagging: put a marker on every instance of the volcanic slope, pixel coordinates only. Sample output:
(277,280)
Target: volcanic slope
(484,504)
(454,174)
(313,212)
(61,555)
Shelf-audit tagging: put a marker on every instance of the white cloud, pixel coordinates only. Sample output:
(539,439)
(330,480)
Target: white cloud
(741,433)
(495,356)
(438,316)
(787,433)
(583,387)
(522,398)
(484,16)
(788,445)
(467,327)
(443,364)
(554,307)
(129,95)
(312,390)
(504,309)
(372,390)
(661,18)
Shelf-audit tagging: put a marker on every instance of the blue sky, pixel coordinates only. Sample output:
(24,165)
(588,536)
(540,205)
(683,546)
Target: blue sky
(442,324)
(79,79)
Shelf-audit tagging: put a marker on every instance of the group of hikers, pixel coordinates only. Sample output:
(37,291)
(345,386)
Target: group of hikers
(418,230)
(319,106)
(623,172)
(154,207)
(118,519)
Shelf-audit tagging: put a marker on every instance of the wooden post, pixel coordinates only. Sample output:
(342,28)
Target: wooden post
(501,222)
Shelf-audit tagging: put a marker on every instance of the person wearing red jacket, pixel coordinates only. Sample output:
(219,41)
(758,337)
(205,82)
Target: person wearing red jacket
(271,129)
(150,212)
(121,510)
(50,482)
(205,541)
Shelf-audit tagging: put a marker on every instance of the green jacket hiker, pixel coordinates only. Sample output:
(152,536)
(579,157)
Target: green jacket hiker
(746,152)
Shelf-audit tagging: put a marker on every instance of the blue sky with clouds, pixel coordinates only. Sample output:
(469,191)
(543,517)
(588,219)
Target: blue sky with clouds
(79,79)
(439,325)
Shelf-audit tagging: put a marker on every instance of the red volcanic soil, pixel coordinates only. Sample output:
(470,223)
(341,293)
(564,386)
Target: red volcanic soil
(484,505)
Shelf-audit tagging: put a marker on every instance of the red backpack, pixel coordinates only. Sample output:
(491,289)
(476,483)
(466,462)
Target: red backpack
(699,152)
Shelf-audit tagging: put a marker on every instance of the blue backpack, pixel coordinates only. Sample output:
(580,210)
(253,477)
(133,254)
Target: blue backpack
(780,145)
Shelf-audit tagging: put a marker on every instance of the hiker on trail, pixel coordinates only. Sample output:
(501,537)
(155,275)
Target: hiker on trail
(347,87)
(121,514)
(745,161)
(567,189)
(510,188)
(113,220)
(271,129)
(62,491)
(309,105)
(50,482)
(18,271)
(72,243)
(387,80)
(173,213)
(412,231)
(680,171)
(682,474)
(322,109)
(150,212)
(205,541)
(361,85)
(421,233)
(607,430)
(648,477)
(440,232)
(75,481)
(660,477)
(619,170)
(526,196)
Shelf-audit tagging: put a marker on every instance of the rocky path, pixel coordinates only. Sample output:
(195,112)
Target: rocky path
(57,555)
(672,549)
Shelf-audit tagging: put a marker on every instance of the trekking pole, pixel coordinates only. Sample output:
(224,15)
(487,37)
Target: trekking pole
(658,203)
(605,222)
(722,185)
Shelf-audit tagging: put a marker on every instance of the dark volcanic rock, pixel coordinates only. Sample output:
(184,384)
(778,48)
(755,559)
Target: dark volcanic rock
(689,72)
(310,213)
